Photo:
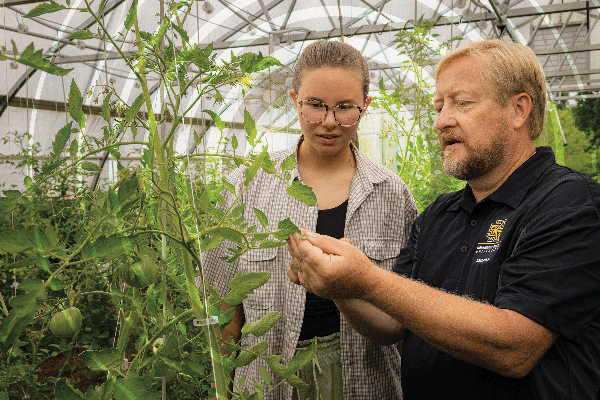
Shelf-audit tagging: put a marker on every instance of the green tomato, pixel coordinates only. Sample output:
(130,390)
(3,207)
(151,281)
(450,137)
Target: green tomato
(157,344)
(66,323)
(141,273)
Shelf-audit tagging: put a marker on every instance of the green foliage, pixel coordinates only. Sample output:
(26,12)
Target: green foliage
(81,35)
(587,118)
(579,154)
(45,8)
(136,244)
(413,135)
(33,59)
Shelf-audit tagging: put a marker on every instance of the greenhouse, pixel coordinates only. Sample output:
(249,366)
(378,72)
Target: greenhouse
(120,122)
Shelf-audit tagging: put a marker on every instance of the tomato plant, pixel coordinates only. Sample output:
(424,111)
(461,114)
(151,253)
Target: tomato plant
(135,246)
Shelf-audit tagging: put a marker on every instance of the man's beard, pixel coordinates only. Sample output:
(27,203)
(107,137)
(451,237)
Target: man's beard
(479,159)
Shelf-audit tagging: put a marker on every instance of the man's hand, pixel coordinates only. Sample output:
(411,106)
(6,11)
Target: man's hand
(328,267)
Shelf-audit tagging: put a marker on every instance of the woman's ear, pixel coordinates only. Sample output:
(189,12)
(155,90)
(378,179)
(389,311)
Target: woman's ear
(368,101)
(293,94)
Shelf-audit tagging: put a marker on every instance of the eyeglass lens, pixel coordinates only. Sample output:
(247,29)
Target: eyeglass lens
(345,114)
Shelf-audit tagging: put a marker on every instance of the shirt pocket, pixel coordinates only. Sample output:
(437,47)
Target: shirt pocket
(382,252)
(260,260)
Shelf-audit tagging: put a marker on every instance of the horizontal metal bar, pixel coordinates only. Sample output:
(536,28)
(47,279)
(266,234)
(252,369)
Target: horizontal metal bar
(577,97)
(572,73)
(8,3)
(569,49)
(575,88)
(59,106)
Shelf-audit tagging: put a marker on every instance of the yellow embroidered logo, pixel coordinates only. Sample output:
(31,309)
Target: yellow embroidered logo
(493,234)
(493,240)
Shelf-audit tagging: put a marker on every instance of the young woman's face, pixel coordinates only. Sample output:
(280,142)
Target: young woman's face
(333,87)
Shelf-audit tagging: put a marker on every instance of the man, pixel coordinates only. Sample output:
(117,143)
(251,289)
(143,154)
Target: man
(497,294)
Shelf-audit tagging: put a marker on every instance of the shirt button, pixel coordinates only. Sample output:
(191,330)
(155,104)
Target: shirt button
(464,249)
(474,222)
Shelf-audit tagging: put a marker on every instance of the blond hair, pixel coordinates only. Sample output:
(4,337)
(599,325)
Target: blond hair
(512,68)
(324,53)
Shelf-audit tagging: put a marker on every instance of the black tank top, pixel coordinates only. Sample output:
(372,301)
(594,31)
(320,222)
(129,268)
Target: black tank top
(321,316)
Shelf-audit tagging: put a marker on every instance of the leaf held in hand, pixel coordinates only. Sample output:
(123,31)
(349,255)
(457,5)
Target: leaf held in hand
(286,228)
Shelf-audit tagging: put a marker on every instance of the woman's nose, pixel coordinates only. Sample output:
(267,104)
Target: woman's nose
(329,119)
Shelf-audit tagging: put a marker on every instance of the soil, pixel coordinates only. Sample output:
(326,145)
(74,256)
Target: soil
(80,375)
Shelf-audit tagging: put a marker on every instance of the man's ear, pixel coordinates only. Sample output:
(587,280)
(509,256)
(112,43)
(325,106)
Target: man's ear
(522,105)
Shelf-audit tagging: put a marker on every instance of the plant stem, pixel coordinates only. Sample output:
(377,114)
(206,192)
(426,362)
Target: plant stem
(201,312)
(4,309)
(161,331)
(69,355)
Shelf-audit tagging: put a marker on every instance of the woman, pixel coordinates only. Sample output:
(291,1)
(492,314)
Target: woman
(356,199)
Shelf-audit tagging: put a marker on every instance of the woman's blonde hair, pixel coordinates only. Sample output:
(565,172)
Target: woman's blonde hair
(512,69)
(324,53)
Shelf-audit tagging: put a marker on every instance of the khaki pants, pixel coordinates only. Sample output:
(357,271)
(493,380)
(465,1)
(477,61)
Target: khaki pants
(324,373)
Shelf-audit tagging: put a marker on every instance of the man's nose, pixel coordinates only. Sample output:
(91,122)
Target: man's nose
(445,119)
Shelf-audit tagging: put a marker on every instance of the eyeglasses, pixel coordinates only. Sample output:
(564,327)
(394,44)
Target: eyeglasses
(345,115)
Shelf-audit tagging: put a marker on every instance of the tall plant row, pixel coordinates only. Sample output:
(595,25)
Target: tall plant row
(410,128)
(137,245)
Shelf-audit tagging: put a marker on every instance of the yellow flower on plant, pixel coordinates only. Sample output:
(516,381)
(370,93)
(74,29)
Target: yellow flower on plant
(246,80)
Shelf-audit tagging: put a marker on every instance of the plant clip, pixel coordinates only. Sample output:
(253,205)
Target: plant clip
(207,321)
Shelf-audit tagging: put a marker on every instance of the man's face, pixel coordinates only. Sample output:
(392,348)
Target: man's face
(474,130)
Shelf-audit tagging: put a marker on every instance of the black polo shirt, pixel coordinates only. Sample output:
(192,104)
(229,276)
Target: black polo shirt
(532,246)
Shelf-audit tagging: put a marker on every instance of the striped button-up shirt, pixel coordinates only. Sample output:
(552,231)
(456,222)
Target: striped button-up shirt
(380,213)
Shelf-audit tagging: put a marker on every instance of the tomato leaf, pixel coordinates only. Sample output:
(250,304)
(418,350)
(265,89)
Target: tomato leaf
(75,104)
(35,59)
(90,166)
(102,360)
(45,8)
(64,391)
(81,35)
(108,247)
(246,356)
(286,228)
(61,139)
(252,62)
(262,218)
(289,163)
(131,14)
(254,167)
(243,284)
(216,119)
(262,326)
(250,127)
(304,193)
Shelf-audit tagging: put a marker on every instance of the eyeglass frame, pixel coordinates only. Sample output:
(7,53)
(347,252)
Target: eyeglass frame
(327,107)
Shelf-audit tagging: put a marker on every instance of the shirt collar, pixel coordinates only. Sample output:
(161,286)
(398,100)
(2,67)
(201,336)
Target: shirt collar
(513,190)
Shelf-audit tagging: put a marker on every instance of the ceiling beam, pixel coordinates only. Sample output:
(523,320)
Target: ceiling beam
(584,87)
(569,49)
(389,27)
(577,97)
(59,106)
(9,3)
(572,73)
